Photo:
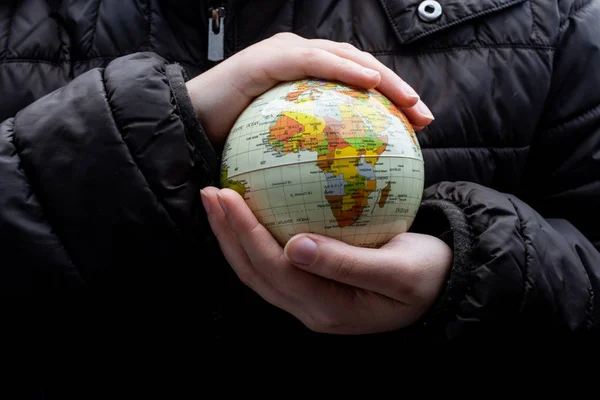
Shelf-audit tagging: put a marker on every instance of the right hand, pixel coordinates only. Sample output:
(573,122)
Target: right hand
(221,94)
(330,286)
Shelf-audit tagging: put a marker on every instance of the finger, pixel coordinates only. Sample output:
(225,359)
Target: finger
(326,65)
(233,251)
(302,292)
(319,303)
(381,271)
(392,85)
(418,115)
(257,242)
(302,62)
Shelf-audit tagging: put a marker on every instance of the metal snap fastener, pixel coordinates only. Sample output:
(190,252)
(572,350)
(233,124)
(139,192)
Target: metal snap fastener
(430,10)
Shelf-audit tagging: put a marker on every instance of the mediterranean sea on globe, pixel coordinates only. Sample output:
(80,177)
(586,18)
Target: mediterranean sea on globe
(327,158)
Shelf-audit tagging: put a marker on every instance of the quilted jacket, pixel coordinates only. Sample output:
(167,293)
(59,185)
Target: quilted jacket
(102,159)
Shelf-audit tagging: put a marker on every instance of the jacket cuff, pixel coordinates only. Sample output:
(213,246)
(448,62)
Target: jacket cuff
(193,128)
(447,221)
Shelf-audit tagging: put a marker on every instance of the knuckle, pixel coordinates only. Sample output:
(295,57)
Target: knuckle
(285,35)
(308,58)
(345,266)
(342,66)
(309,54)
(347,46)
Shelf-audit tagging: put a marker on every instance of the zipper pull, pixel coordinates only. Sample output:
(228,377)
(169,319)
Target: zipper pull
(216,33)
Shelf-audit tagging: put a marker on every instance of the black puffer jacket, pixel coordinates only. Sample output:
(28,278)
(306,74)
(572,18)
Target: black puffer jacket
(101,158)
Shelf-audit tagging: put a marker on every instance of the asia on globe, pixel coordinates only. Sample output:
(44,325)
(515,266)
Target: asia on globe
(327,158)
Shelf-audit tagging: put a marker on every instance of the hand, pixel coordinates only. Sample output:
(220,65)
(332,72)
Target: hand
(220,94)
(328,285)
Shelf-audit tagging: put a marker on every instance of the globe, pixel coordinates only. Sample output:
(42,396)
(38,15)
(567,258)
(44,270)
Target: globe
(315,156)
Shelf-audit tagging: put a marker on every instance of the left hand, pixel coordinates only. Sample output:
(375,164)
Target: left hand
(284,57)
(338,288)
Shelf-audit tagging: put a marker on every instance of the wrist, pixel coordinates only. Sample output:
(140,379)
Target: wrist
(198,103)
(216,103)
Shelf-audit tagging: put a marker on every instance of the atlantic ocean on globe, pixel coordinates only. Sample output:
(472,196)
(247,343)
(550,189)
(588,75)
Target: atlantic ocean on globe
(323,157)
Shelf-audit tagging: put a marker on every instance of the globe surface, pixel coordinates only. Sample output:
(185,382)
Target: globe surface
(323,157)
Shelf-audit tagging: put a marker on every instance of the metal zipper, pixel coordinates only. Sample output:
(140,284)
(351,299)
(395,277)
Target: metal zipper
(216,33)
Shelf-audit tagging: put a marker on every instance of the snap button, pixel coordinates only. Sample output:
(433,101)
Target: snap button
(430,10)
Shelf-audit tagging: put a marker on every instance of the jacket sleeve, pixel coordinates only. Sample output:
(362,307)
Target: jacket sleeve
(100,179)
(529,262)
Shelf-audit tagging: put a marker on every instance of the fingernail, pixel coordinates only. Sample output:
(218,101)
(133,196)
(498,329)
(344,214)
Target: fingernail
(424,110)
(205,202)
(301,250)
(370,72)
(410,92)
(222,202)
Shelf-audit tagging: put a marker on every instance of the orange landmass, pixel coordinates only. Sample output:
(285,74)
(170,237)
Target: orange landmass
(385,192)
(355,94)
(347,215)
(352,127)
(293,95)
(332,134)
(394,110)
(285,128)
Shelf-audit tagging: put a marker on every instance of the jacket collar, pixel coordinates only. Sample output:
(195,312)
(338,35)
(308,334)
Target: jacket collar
(404,15)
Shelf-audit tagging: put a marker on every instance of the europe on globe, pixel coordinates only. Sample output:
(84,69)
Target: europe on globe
(327,158)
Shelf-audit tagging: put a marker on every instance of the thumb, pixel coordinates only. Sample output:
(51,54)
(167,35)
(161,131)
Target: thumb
(383,270)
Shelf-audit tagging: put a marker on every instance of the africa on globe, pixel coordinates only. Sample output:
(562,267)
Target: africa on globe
(327,158)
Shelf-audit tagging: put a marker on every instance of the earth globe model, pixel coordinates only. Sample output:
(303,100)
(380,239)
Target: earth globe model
(327,158)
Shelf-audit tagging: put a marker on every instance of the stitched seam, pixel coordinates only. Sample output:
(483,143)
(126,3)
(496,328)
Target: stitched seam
(579,6)
(527,243)
(72,63)
(573,189)
(11,19)
(390,18)
(478,147)
(33,61)
(458,21)
(59,240)
(589,308)
(87,60)
(294,11)
(375,53)
(188,134)
(534,32)
(150,24)
(64,48)
(463,273)
(112,115)
(575,10)
(97,17)
(434,50)
(594,111)
(177,109)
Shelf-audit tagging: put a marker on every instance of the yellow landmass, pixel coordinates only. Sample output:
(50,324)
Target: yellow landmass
(228,183)
(377,121)
(312,135)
